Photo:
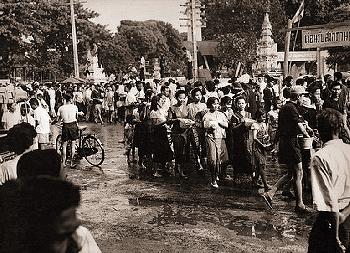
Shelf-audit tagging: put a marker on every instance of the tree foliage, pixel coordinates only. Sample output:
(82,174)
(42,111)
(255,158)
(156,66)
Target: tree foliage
(37,34)
(153,39)
(236,25)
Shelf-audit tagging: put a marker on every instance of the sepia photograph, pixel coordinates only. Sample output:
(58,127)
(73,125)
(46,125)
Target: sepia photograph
(174,126)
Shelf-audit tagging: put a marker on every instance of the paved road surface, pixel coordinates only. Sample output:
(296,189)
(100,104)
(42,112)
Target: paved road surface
(127,214)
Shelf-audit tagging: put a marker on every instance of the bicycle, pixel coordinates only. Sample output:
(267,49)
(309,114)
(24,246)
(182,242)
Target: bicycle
(88,147)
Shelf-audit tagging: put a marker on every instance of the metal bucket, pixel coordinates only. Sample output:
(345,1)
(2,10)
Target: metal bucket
(306,143)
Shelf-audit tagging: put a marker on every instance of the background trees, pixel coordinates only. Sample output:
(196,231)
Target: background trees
(236,25)
(36,34)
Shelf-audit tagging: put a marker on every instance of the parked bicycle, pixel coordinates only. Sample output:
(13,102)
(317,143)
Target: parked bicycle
(88,147)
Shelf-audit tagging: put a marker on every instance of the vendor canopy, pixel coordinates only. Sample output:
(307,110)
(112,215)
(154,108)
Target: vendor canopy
(204,47)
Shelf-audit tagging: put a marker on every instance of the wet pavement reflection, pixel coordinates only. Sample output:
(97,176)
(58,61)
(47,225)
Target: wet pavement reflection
(120,203)
(268,226)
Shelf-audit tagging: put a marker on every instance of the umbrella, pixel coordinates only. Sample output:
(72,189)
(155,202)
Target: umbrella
(73,80)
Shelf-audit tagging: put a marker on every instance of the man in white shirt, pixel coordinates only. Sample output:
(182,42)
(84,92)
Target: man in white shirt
(142,68)
(11,117)
(42,120)
(70,132)
(52,94)
(330,180)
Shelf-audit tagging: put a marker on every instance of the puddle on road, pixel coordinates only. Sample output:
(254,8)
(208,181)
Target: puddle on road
(267,227)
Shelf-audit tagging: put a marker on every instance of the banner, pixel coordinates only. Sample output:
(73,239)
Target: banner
(326,37)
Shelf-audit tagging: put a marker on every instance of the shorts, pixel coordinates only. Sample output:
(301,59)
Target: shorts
(289,151)
(43,138)
(70,131)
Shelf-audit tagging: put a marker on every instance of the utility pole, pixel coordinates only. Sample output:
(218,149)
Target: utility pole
(74,40)
(286,49)
(194,38)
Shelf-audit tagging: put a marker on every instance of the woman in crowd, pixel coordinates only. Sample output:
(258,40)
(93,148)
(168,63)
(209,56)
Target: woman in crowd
(109,104)
(162,152)
(143,133)
(272,124)
(78,99)
(215,123)
(180,130)
(196,111)
(241,122)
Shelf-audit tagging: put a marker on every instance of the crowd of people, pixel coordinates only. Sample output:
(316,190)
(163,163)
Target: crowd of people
(213,126)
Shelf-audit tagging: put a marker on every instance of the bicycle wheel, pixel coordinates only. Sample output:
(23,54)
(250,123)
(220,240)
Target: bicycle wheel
(59,144)
(92,150)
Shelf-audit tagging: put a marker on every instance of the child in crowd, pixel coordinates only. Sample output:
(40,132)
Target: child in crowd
(272,123)
(42,119)
(129,137)
(260,144)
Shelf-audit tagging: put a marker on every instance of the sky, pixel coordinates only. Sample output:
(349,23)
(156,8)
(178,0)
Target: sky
(113,11)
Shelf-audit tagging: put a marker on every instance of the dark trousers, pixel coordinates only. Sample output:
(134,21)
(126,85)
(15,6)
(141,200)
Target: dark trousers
(189,70)
(142,74)
(322,235)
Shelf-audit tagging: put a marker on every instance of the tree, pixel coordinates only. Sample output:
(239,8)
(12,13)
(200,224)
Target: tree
(115,55)
(153,39)
(319,12)
(41,30)
(243,50)
(236,25)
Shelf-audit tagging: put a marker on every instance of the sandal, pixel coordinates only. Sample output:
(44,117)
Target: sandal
(301,210)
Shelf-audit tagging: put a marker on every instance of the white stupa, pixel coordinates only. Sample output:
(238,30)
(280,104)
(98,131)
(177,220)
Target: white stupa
(266,60)
(95,73)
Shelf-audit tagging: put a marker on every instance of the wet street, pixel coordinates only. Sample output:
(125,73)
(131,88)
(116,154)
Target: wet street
(129,214)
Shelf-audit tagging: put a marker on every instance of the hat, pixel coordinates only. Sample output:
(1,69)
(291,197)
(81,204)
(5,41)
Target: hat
(306,102)
(298,89)
(237,86)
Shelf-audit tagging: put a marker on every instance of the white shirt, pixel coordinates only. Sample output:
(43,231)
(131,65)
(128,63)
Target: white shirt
(11,118)
(130,98)
(330,176)
(172,87)
(52,94)
(188,56)
(194,108)
(262,86)
(43,120)
(86,241)
(211,120)
(8,170)
(68,113)
(210,94)
(88,94)
(158,116)
(142,62)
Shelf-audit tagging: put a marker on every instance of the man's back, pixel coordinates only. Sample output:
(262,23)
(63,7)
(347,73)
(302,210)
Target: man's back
(288,119)
(330,176)
(68,113)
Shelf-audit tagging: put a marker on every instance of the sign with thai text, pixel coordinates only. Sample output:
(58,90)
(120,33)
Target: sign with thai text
(326,37)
